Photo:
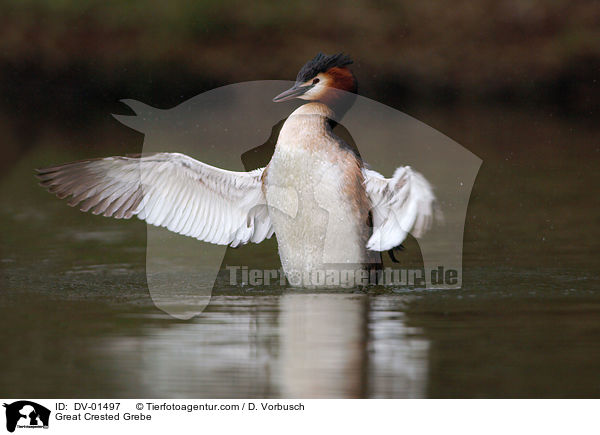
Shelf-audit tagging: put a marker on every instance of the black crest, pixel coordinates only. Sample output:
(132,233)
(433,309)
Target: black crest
(321,63)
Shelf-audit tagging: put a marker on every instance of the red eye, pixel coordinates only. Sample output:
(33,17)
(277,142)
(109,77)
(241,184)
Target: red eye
(315,81)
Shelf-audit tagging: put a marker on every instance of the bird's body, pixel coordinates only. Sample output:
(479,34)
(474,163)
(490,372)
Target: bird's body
(316,194)
(330,214)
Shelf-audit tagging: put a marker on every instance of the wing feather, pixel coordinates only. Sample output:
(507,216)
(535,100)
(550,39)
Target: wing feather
(401,204)
(169,190)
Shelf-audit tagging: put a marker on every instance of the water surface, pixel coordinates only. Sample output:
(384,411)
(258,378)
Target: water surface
(78,320)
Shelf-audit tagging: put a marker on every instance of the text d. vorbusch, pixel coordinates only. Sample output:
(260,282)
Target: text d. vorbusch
(277,406)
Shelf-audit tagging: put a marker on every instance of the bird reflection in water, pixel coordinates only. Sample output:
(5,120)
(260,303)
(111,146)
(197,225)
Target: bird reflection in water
(297,345)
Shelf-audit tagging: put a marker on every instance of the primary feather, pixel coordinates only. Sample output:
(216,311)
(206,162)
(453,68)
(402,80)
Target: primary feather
(168,190)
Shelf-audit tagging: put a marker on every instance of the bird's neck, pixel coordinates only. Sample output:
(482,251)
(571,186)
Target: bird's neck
(311,119)
(329,109)
(315,108)
(338,101)
(314,116)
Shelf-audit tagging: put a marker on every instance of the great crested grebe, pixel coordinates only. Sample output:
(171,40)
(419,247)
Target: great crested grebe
(328,212)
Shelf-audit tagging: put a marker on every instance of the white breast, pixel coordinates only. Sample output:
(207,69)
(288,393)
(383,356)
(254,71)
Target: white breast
(318,227)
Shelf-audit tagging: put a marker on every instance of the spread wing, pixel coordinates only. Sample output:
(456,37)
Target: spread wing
(168,190)
(401,204)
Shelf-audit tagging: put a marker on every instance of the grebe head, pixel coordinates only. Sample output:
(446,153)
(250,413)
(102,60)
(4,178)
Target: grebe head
(324,78)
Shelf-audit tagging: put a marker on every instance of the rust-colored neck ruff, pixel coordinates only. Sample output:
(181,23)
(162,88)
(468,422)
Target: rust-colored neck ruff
(341,90)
